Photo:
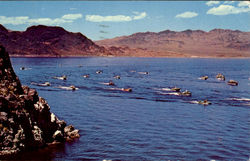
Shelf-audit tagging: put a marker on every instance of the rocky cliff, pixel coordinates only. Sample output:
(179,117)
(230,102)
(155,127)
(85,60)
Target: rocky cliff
(48,41)
(25,118)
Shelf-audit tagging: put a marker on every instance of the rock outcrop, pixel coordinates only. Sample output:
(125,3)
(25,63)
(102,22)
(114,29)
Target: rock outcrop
(25,118)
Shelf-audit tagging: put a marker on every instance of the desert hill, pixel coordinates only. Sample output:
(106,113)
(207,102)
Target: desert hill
(48,41)
(188,43)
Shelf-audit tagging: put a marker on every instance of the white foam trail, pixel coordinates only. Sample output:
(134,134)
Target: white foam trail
(240,99)
(162,89)
(195,102)
(143,73)
(40,84)
(166,89)
(104,83)
(173,93)
(120,89)
(66,88)
(60,78)
(25,68)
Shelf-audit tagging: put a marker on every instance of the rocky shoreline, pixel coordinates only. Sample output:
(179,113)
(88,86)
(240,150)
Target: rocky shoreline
(25,118)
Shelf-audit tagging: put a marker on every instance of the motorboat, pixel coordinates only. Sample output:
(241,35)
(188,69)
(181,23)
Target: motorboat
(232,83)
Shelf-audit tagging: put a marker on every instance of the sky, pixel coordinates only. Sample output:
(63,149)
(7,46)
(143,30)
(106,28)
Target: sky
(108,19)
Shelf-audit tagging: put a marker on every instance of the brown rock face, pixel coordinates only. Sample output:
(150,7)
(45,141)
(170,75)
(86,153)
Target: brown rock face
(25,118)
(49,41)
(9,80)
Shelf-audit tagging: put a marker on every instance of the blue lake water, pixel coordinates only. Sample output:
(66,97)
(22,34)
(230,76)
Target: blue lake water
(148,123)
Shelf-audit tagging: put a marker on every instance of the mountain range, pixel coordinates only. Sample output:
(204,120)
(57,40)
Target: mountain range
(51,41)
(188,43)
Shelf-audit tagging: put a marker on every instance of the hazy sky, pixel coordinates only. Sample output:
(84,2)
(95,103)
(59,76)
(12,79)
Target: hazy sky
(108,19)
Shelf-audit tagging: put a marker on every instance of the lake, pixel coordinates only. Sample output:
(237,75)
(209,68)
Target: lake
(151,122)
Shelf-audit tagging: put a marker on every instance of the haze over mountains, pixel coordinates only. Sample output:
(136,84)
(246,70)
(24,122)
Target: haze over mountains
(56,42)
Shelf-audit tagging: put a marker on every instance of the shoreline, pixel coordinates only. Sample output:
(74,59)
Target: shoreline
(82,56)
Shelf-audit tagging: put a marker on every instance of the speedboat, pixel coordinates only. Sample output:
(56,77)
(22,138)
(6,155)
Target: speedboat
(219,76)
(61,78)
(86,76)
(117,77)
(73,88)
(186,93)
(143,73)
(232,83)
(122,89)
(205,102)
(204,77)
(127,89)
(24,68)
(111,83)
(47,83)
(98,71)
(176,89)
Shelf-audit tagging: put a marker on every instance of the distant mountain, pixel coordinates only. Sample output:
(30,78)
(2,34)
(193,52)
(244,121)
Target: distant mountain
(48,41)
(188,43)
(56,42)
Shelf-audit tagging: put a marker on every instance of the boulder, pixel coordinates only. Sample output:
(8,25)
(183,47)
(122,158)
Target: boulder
(71,133)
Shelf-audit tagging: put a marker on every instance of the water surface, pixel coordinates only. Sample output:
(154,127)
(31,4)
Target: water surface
(149,123)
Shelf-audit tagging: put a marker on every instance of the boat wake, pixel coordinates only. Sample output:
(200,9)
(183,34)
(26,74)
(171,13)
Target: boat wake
(172,93)
(194,102)
(121,89)
(104,83)
(67,88)
(240,99)
(162,89)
